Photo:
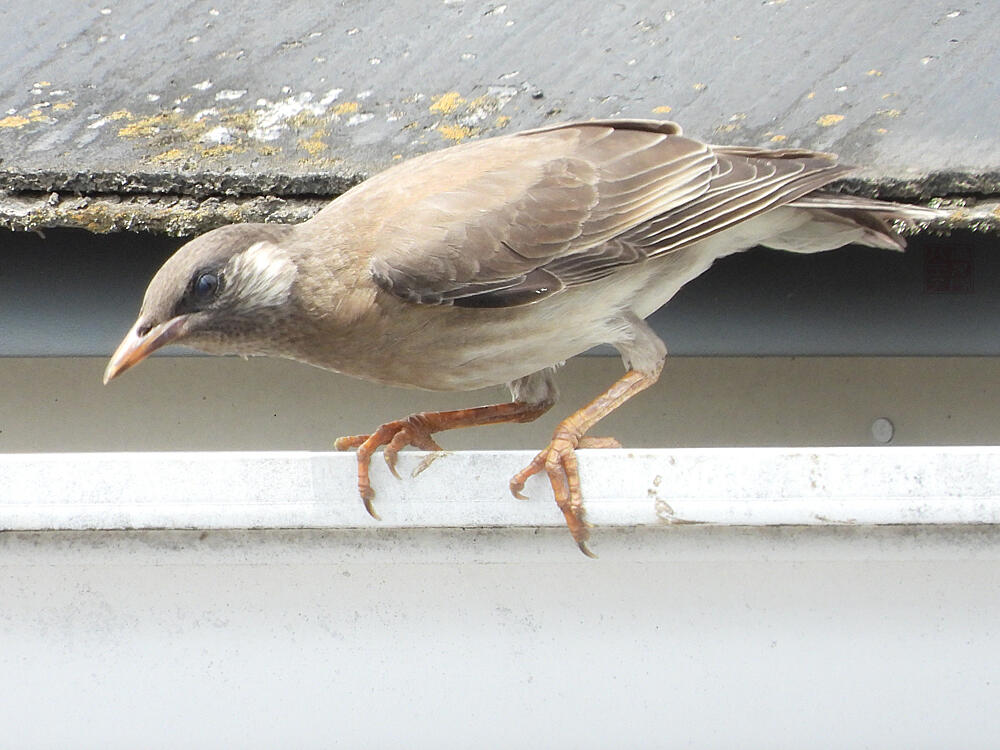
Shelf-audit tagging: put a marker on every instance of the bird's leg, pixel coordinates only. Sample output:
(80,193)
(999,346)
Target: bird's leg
(416,430)
(559,461)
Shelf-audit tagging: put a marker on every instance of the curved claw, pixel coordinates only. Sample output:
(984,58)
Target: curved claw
(516,485)
(517,481)
(582,544)
(366,498)
(390,461)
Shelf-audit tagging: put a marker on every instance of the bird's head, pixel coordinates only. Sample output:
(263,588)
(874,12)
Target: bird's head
(221,293)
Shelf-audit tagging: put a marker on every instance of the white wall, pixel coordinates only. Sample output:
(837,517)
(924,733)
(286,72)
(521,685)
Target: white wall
(200,403)
(687,637)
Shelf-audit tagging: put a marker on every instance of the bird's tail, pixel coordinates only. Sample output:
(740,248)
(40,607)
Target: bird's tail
(896,211)
(839,220)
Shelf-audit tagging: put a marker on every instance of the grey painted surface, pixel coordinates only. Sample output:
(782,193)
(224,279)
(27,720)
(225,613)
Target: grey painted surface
(695,637)
(75,293)
(57,404)
(301,98)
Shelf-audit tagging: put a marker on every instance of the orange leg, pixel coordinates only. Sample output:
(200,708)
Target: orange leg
(416,430)
(559,458)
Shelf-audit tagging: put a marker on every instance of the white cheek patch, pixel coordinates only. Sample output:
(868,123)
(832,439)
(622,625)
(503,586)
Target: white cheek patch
(260,276)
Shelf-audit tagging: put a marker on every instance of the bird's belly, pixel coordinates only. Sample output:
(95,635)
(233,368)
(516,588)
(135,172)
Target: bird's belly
(457,348)
(477,348)
(495,353)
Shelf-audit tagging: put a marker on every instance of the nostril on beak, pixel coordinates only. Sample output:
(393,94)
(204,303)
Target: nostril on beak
(142,330)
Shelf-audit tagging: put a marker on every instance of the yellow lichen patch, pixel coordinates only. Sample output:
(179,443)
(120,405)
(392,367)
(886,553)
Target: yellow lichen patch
(456,132)
(96,219)
(244,121)
(889,112)
(446,103)
(699,86)
(346,108)
(313,147)
(778,138)
(165,124)
(64,105)
(881,131)
(811,95)
(314,144)
(662,109)
(141,129)
(36,115)
(734,123)
(173,154)
(827,121)
(14,121)
(480,110)
(223,149)
(480,102)
(171,136)
(304,120)
(874,73)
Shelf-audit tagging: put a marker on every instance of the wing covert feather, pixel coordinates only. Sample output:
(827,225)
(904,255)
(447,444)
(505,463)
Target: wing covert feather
(528,214)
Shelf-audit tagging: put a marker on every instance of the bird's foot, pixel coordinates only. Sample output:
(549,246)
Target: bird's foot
(416,430)
(559,461)
(412,430)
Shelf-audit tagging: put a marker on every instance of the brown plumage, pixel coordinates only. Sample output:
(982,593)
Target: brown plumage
(494,261)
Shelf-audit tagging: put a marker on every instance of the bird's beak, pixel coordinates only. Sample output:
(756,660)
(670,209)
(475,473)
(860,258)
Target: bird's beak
(136,347)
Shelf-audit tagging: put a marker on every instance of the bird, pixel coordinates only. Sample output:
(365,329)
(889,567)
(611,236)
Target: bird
(493,261)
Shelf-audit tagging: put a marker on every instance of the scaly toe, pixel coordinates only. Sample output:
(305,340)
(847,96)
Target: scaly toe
(348,442)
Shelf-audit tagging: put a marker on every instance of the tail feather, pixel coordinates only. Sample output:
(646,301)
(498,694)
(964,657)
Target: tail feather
(836,220)
(897,211)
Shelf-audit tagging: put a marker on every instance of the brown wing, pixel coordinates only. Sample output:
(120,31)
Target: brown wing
(511,220)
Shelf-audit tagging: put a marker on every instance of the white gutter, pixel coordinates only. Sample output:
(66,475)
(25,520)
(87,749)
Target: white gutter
(734,633)
(623,488)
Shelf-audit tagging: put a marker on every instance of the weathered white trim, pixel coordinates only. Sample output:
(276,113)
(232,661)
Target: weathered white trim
(623,488)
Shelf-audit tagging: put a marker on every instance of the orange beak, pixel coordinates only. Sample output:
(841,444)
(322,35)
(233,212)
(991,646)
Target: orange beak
(135,347)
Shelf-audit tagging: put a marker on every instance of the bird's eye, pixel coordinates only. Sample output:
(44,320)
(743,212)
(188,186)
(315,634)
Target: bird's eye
(205,287)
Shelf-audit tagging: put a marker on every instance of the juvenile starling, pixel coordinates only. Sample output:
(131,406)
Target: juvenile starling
(492,262)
